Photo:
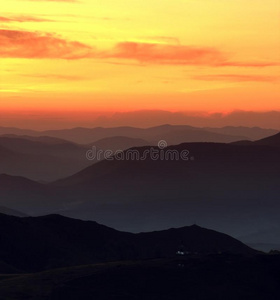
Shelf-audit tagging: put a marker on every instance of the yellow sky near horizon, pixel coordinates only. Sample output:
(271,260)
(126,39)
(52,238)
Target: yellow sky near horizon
(218,55)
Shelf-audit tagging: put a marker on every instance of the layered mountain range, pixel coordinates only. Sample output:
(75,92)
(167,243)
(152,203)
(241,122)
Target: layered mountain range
(229,186)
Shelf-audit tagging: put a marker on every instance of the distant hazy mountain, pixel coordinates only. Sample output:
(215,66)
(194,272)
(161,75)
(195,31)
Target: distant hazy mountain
(43,139)
(263,236)
(177,136)
(42,146)
(118,143)
(172,133)
(41,158)
(264,247)
(252,133)
(33,244)
(18,131)
(6,153)
(7,182)
(47,158)
(27,196)
(11,212)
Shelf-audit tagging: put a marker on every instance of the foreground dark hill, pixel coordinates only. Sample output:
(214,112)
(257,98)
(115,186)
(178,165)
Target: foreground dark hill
(201,277)
(40,243)
(273,141)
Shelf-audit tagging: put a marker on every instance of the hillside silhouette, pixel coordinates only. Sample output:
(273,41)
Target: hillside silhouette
(55,241)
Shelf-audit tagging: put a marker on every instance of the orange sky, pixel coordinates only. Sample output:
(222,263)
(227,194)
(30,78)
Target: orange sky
(180,55)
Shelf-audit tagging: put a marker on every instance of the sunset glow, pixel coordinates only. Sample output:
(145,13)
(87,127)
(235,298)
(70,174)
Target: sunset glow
(181,55)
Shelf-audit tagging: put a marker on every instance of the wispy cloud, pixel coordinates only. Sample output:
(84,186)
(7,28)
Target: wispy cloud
(253,64)
(54,0)
(163,39)
(25,44)
(236,78)
(166,54)
(55,77)
(22,19)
